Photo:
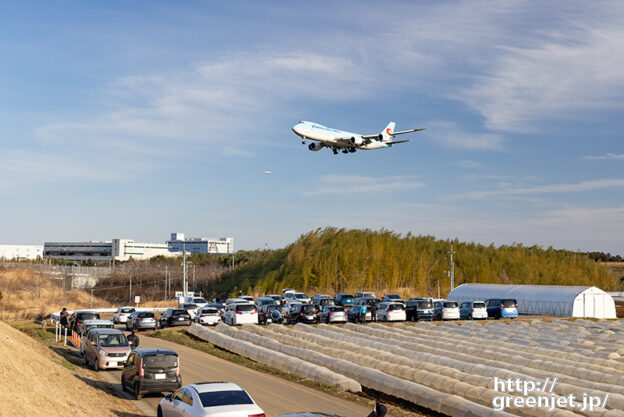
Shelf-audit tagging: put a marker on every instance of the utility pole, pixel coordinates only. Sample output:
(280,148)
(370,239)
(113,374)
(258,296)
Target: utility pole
(194,267)
(184,269)
(130,291)
(166,272)
(452,269)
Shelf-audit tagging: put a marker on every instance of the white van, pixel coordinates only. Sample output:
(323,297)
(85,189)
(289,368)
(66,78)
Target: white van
(236,314)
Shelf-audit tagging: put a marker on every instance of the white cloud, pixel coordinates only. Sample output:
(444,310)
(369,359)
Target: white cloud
(608,155)
(467,163)
(354,184)
(550,189)
(449,134)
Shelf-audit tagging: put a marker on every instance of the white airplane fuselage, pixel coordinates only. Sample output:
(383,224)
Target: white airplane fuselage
(334,137)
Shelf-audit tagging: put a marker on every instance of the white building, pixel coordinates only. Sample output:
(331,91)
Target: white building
(551,300)
(222,245)
(104,251)
(20,252)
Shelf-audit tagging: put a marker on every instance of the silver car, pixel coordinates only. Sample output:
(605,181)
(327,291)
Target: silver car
(141,320)
(333,314)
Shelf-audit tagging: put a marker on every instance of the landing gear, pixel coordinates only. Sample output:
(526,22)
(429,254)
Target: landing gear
(345,151)
(335,151)
(303,142)
(352,150)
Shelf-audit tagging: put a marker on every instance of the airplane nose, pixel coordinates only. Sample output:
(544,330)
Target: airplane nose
(297,128)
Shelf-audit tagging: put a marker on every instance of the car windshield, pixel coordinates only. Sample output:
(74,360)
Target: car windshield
(207,311)
(450,304)
(300,295)
(146,315)
(100,326)
(395,307)
(190,306)
(478,305)
(273,307)
(160,361)
(425,304)
(199,300)
(309,308)
(220,398)
(127,310)
(334,309)
(111,340)
(393,297)
(88,316)
(179,312)
(509,303)
(245,307)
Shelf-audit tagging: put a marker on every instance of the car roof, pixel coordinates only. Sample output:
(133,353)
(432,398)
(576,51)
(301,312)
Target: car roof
(155,351)
(97,321)
(85,311)
(201,387)
(106,331)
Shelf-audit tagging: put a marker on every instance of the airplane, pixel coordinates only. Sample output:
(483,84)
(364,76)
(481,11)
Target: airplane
(336,140)
(269,172)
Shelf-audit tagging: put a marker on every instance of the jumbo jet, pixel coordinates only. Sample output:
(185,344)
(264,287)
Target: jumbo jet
(347,141)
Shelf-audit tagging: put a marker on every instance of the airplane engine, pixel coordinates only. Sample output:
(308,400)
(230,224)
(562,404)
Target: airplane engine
(315,146)
(357,140)
(380,138)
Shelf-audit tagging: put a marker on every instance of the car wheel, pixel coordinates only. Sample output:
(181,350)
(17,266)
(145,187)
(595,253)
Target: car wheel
(96,365)
(469,316)
(134,327)
(159,412)
(123,384)
(85,361)
(384,319)
(137,392)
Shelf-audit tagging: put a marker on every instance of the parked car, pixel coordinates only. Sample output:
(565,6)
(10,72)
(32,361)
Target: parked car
(236,314)
(191,308)
(199,301)
(473,310)
(326,302)
(78,317)
(209,399)
(236,301)
(396,298)
(302,313)
(445,310)
(270,313)
(174,317)
(505,308)
(318,297)
(390,311)
(106,348)
(219,300)
(92,324)
(141,320)
(247,298)
(417,309)
(209,316)
(220,307)
(296,296)
(364,294)
(276,297)
(151,370)
(122,314)
(333,314)
(344,300)
(353,315)
(261,301)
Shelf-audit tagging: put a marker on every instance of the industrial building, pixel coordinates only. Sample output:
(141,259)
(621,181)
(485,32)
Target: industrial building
(104,251)
(20,252)
(222,245)
(551,300)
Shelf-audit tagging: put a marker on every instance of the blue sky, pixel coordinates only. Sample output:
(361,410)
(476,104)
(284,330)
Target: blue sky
(137,119)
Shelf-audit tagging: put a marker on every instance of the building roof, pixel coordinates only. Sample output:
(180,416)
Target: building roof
(534,292)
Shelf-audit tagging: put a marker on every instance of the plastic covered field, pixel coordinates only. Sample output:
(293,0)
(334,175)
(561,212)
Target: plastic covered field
(450,368)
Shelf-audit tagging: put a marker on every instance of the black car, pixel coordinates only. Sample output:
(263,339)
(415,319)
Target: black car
(270,313)
(78,317)
(174,317)
(302,313)
(151,370)
(419,309)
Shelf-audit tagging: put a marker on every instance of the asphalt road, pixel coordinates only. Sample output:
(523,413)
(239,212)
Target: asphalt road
(274,395)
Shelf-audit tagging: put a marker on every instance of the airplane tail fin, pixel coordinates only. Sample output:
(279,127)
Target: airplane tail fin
(387,132)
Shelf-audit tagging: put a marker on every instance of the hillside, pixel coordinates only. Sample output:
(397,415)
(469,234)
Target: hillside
(36,382)
(336,260)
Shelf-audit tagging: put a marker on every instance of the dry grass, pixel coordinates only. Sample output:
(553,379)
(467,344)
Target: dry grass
(30,295)
(35,381)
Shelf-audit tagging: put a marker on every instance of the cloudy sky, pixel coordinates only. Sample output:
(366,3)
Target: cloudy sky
(137,119)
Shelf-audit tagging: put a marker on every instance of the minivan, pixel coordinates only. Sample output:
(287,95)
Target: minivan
(417,309)
(445,310)
(236,314)
(473,310)
(106,348)
(505,308)
(151,370)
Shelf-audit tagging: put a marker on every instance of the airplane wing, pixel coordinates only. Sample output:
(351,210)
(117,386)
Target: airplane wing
(397,141)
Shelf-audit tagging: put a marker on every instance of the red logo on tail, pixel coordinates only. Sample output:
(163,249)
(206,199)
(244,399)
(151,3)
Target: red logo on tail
(388,131)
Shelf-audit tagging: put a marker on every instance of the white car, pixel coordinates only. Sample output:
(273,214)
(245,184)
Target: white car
(446,310)
(209,316)
(191,308)
(300,297)
(122,314)
(389,311)
(236,314)
(222,399)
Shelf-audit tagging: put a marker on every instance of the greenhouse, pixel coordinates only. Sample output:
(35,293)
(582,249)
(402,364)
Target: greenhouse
(551,300)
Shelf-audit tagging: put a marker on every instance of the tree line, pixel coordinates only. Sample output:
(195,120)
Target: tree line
(340,260)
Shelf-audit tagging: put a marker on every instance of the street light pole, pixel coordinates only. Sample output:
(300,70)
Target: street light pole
(184,269)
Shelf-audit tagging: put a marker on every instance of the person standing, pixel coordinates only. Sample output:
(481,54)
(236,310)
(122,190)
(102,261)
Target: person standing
(363,311)
(133,339)
(63,317)
(380,410)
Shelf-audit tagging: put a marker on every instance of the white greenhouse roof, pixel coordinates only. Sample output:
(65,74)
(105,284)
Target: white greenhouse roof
(534,292)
